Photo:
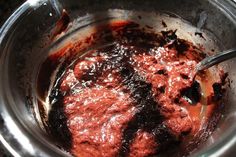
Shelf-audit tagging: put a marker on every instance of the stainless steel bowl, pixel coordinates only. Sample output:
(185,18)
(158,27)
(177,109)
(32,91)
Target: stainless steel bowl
(26,37)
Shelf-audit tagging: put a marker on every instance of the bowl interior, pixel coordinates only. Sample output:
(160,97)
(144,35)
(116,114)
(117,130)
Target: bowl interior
(26,44)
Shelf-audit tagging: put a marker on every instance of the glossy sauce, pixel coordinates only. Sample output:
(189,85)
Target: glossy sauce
(133,97)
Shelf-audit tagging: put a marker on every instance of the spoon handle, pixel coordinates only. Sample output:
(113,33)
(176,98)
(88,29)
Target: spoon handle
(215,59)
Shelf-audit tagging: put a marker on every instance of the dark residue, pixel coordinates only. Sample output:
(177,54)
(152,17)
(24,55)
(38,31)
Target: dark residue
(162,89)
(218,91)
(193,93)
(169,36)
(163,23)
(223,78)
(162,72)
(61,24)
(149,27)
(200,35)
(148,118)
(184,76)
(57,120)
(1,121)
(172,41)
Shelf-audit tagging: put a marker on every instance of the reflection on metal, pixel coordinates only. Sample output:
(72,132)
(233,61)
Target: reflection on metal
(35,2)
(8,147)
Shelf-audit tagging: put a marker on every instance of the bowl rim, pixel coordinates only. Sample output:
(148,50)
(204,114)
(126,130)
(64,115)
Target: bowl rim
(8,120)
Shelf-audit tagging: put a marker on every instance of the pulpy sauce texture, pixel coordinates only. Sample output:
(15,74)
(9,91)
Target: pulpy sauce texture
(135,96)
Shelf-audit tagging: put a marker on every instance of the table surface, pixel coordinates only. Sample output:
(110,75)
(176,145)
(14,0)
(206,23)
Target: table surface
(6,9)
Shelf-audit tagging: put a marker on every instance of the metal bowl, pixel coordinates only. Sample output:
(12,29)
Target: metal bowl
(26,37)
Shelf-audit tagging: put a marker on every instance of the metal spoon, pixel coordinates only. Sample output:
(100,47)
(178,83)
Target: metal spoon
(215,59)
(209,62)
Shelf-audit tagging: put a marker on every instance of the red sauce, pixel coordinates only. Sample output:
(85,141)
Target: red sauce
(135,97)
(61,24)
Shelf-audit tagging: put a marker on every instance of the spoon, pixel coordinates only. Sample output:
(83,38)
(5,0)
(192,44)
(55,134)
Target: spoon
(214,59)
(209,62)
